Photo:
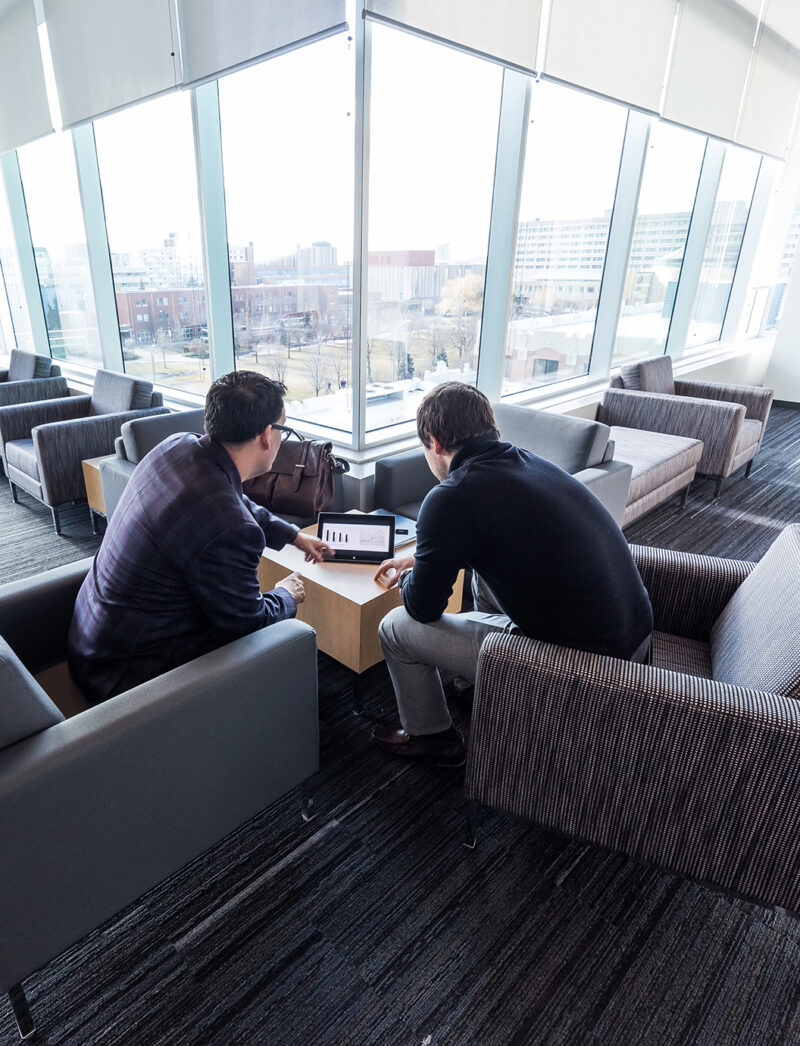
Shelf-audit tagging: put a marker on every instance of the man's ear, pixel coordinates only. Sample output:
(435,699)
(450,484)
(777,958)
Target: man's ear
(436,446)
(263,437)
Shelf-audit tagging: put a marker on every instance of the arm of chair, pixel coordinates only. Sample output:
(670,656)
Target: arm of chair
(13,392)
(688,592)
(114,476)
(714,422)
(402,479)
(103,806)
(61,447)
(757,401)
(18,422)
(609,482)
(696,776)
(25,603)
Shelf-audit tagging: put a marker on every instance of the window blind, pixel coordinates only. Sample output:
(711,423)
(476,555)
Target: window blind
(24,112)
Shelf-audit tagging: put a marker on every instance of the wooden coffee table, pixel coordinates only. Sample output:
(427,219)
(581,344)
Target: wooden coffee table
(343,602)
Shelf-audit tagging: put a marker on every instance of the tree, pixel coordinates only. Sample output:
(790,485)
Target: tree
(315,364)
(339,363)
(277,367)
(461,337)
(433,338)
(462,298)
(405,368)
(370,347)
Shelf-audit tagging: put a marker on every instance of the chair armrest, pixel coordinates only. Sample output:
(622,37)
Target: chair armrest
(114,476)
(132,789)
(696,776)
(757,401)
(715,422)
(24,604)
(18,422)
(13,392)
(403,478)
(62,446)
(688,592)
(609,482)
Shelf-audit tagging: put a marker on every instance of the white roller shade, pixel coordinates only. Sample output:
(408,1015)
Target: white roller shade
(24,113)
(218,36)
(505,30)
(617,48)
(773,91)
(110,53)
(713,47)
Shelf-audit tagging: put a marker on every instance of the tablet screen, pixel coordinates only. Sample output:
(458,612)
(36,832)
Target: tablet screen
(359,537)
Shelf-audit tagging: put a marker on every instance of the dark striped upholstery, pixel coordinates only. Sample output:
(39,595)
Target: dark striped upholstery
(696,775)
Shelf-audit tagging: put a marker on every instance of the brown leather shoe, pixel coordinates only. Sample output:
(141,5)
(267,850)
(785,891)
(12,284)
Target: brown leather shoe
(443,749)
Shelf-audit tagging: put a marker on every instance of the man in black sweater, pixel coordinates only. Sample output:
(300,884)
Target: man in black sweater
(548,561)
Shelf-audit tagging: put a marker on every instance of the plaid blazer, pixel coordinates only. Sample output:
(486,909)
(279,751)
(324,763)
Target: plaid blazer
(175,575)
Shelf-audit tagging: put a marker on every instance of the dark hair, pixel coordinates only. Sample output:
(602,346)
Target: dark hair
(453,413)
(241,404)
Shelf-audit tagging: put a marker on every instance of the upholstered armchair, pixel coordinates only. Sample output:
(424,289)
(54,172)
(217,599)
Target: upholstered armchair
(691,763)
(29,377)
(43,444)
(583,448)
(99,807)
(729,419)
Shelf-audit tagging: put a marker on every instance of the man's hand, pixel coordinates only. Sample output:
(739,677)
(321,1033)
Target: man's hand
(294,586)
(313,548)
(388,573)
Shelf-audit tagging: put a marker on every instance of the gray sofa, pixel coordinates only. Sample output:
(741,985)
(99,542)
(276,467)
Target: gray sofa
(582,447)
(29,377)
(43,444)
(691,763)
(137,438)
(98,808)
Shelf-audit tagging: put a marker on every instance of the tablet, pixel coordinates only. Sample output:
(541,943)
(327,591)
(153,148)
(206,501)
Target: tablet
(356,536)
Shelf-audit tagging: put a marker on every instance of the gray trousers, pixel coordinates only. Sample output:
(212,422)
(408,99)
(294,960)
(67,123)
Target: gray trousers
(415,652)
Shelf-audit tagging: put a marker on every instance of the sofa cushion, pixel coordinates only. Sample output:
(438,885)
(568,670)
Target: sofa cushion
(25,708)
(690,657)
(21,453)
(141,435)
(656,457)
(749,435)
(22,366)
(572,443)
(649,376)
(754,640)
(116,393)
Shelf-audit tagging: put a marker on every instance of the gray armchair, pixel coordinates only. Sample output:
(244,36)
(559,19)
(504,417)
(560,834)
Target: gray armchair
(29,378)
(137,438)
(98,808)
(580,446)
(43,444)
(729,419)
(691,763)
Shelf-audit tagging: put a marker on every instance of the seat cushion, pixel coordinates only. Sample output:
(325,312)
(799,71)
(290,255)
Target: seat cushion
(649,375)
(690,657)
(754,641)
(22,455)
(25,708)
(749,435)
(656,457)
(116,393)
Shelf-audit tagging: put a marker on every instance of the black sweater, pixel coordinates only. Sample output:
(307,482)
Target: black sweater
(547,547)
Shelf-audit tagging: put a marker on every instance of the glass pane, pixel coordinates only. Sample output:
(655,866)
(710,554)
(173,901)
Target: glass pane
(728,222)
(565,213)
(14,320)
(666,199)
(50,181)
(433,139)
(777,297)
(153,222)
(289,202)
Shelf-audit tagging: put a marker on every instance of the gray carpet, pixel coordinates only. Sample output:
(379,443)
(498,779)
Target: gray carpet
(371,924)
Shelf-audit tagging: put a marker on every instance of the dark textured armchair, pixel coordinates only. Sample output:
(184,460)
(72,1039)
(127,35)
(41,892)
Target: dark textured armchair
(29,378)
(43,444)
(100,807)
(729,419)
(691,763)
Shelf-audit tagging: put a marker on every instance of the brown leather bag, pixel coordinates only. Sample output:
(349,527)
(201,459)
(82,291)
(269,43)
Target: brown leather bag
(301,480)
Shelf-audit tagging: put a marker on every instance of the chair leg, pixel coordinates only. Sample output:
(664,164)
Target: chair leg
(56,519)
(22,1012)
(749,467)
(307,811)
(717,489)
(471,825)
(14,497)
(684,496)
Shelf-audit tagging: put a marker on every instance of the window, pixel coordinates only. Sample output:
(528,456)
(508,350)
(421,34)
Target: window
(433,138)
(728,221)
(153,223)
(666,199)
(289,202)
(50,181)
(15,328)
(565,213)
(776,295)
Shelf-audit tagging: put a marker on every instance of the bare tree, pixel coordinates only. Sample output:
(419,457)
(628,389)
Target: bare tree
(461,337)
(339,363)
(433,338)
(370,347)
(316,365)
(277,367)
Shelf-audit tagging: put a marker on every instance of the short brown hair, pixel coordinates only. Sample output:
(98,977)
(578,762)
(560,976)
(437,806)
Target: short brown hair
(453,413)
(241,404)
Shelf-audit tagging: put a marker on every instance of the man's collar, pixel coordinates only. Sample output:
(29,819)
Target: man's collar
(471,448)
(222,458)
